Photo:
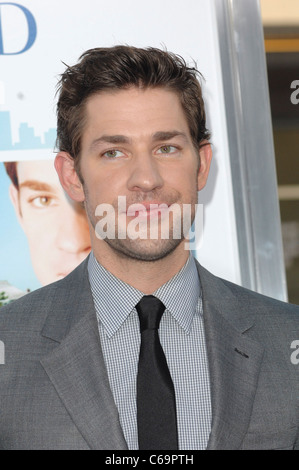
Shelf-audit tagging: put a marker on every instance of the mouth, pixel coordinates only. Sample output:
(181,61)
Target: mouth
(147,210)
(62,275)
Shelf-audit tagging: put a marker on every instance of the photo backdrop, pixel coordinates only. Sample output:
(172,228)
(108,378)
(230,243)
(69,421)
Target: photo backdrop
(36,39)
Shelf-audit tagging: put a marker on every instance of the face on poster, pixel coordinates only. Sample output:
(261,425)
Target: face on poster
(44,231)
(37,39)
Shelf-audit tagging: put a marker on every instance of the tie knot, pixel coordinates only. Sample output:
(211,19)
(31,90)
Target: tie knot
(150,310)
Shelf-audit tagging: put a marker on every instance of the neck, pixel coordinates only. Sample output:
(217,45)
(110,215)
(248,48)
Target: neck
(146,276)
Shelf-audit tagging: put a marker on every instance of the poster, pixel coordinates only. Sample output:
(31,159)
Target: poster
(37,39)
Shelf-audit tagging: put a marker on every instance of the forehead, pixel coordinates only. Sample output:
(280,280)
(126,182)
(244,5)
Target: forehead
(40,170)
(134,111)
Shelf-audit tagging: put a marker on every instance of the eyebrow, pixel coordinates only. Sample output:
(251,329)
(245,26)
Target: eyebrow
(122,139)
(36,185)
(110,139)
(168,135)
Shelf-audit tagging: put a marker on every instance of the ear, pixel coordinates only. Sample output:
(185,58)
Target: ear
(65,167)
(14,197)
(205,155)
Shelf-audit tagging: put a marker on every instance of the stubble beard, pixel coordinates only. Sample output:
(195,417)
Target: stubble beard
(146,250)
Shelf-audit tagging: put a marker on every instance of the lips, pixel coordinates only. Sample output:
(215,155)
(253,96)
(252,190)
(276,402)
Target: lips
(147,209)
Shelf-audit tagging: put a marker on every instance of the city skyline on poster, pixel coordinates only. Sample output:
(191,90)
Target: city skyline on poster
(27,136)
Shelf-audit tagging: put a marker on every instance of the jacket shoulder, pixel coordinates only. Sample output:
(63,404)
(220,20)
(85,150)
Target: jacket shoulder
(243,299)
(30,311)
(260,302)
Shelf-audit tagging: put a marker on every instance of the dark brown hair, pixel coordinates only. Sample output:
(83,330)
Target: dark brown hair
(11,170)
(121,67)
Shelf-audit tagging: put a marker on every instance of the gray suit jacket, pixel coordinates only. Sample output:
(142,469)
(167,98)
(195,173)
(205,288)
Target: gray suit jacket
(54,388)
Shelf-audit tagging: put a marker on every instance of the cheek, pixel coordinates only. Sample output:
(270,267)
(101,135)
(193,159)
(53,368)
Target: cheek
(39,230)
(184,174)
(185,181)
(31,228)
(36,239)
(103,191)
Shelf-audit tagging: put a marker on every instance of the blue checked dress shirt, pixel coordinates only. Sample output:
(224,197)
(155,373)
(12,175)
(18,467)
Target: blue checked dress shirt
(182,338)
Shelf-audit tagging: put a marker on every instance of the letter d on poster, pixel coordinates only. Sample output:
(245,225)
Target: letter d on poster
(31,33)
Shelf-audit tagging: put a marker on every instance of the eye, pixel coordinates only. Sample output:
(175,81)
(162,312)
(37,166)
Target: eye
(42,201)
(165,149)
(113,153)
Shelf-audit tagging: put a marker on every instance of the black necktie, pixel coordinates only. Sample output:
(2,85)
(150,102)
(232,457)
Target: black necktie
(156,410)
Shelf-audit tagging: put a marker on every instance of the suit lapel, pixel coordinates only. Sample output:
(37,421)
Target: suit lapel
(234,362)
(76,367)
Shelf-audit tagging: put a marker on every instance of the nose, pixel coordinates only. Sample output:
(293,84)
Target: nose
(73,233)
(145,175)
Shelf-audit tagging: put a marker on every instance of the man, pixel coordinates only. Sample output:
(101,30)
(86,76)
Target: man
(42,207)
(216,372)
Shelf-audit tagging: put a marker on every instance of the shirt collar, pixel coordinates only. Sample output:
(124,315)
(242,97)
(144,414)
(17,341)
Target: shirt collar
(114,299)
(180,294)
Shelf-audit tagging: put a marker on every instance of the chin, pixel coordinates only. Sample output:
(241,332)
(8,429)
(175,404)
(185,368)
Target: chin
(46,280)
(144,250)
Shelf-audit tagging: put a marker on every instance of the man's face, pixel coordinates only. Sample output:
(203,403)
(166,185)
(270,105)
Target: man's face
(137,144)
(56,227)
